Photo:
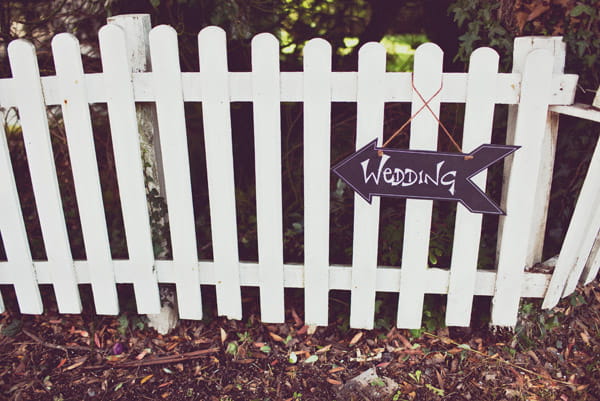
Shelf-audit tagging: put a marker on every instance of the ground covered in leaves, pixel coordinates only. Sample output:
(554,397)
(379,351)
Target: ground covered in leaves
(552,356)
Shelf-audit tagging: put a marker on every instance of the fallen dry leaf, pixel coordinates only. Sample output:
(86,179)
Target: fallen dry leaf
(146,378)
(276,337)
(142,354)
(585,337)
(297,321)
(223,335)
(333,381)
(356,338)
(324,349)
(61,363)
(76,364)
(165,384)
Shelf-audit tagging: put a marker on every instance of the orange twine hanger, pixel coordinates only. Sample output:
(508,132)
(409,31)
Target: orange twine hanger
(425,105)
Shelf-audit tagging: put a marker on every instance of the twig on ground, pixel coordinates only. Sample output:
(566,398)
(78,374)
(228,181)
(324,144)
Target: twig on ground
(64,348)
(158,360)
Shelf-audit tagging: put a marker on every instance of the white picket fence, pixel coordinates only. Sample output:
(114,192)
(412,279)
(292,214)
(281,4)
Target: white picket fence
(536,83)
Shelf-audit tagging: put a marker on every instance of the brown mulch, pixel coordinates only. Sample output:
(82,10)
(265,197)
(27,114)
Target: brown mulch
(554,356)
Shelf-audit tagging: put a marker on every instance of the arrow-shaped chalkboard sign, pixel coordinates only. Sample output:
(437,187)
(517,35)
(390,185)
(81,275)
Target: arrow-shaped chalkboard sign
(420,174)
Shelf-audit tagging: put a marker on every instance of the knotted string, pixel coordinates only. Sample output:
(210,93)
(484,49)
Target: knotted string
(425,105)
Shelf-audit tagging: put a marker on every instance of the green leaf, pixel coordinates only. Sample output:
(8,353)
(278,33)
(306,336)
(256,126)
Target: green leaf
(435,390)
(377,382)
(293,358)
(311,359)
(266,349)
(232,348)
(581,9)
(118,386)
(123,324)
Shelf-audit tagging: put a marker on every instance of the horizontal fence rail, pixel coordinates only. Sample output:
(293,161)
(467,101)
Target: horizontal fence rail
(530,90)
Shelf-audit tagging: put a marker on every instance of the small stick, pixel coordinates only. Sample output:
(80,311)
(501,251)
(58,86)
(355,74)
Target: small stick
(55,346)
(159,360)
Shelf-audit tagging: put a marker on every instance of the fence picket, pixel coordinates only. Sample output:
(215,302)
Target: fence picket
(479,118)
(14,236)
(317,144)
(176,167)
(593,264)
(36,135)
(579,238)
(585,251)
(82,153)
(219,167)
(369,125)
(427,79)
(267,155)
(529,134)
(128,163)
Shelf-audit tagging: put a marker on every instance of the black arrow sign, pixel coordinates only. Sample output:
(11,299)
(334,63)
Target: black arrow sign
(422,174)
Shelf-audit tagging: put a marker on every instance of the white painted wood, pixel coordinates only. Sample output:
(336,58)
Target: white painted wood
(522,47)
(578,274)
(219,166)
(128,162)
(267,155)
(417,226)
(340,277)
(369,125)
(176,168)
(524,173)
(317,144)
(580,236)
(14,236)
(36,135)
(343,88)
(479,119)
(558,48)
(136,28)
(593,264)
(542,193)
(579,110)
(82,153)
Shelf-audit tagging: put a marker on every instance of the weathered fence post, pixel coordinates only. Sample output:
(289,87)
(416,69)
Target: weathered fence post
(522,47)
(528,176)
(137,29)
